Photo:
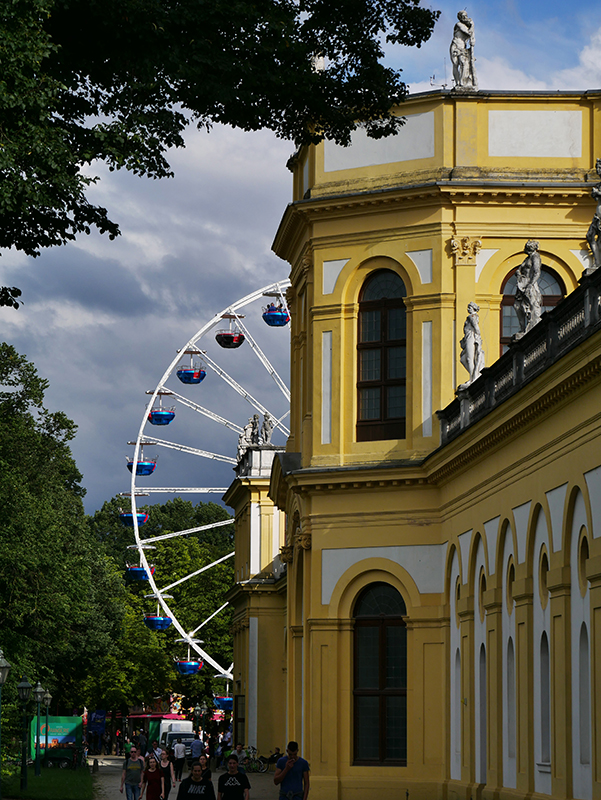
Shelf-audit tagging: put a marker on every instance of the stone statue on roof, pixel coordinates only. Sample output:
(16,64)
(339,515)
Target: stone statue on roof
(462,54)
(593,236)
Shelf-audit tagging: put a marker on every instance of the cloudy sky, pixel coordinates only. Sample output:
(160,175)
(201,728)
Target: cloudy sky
(102,320)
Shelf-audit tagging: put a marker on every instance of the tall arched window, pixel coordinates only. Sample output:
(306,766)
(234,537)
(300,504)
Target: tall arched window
(382,355)
(552,289)
(380,683)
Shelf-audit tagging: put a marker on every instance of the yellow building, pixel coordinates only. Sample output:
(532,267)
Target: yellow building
(433,624)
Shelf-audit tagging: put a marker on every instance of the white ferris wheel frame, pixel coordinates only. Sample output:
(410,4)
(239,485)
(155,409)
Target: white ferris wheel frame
(274,289)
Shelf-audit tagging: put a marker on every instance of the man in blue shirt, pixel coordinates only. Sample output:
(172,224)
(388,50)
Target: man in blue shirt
(292,775)
(196,749)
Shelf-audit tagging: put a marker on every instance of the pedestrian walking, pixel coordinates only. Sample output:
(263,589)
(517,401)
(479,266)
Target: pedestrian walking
(292,775)
(179,753)
(196,786)
(233,785)
(153,782)
(132,776)
(168,771)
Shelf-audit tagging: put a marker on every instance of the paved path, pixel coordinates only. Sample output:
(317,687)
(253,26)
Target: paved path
(108,779)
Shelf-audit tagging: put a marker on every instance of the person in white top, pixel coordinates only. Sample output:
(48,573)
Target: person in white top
(179,753)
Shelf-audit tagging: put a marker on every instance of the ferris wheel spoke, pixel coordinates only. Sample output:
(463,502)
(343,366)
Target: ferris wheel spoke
(184,490)
(242,391)
(264,360)
(208,619)
(183,448)
(196,572)
(205,411)
(145,542)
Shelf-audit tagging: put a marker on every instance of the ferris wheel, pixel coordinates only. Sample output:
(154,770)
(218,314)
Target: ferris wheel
(203,358)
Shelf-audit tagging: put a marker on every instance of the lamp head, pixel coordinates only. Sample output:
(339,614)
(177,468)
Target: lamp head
(38,692)
(47,698)
(24,689)
(5,668)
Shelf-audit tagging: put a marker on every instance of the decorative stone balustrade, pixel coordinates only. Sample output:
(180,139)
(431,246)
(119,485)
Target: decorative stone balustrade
(560,330)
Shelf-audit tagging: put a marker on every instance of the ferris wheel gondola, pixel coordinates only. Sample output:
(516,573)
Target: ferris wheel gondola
(192,373)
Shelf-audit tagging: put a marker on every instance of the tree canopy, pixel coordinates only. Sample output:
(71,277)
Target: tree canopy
(61,597)
(118,81)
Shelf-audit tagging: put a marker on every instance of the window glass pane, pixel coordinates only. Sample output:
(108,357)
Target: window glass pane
(367,675)
(511,323)
(380,598)
(367,728)
(370,365)
(384,284)
(396,362)
(397,323)
(396,657)
(548,284)
(369,404)
(396,728)
(395,399)
(370,326)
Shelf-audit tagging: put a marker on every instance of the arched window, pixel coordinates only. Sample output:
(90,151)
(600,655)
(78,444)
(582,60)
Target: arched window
(552,289)
(382,354)
(380,682)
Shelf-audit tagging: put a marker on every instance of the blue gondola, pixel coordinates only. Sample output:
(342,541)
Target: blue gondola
(145,467)
(224,703)
(188,667)
(190,375)
(161,416)
(127,518)
(156,623)
(276,316)
(137,573)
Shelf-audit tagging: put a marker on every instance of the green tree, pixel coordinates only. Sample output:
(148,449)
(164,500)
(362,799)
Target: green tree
(60,595)
(118,81)
(140,666)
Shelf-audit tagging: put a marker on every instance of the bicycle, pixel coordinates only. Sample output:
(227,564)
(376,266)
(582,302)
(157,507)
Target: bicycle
(255,763)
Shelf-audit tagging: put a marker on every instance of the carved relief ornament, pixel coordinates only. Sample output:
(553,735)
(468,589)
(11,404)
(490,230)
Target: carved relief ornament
(465,249)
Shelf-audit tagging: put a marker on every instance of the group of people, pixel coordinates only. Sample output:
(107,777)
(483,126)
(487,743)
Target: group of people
(156,775)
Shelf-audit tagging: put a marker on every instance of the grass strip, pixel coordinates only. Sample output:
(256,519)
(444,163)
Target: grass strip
(52,784)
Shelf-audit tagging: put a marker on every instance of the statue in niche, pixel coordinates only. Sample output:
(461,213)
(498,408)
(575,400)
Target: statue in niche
(528,297)
(472,352)
(267,428)
(462,53)
(593,235)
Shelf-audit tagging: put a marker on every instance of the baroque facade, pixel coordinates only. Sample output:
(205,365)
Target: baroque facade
(418,597)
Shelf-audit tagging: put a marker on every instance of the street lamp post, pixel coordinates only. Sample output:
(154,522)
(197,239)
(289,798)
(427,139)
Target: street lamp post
(38,696)
(24,690)
(47,701)
(4,670)
(197,713)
